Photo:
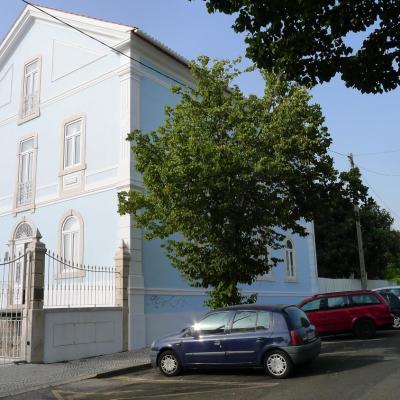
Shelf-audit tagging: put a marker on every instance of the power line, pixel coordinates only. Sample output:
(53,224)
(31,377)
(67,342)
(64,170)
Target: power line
(378,153)
(380,198)
(377,172)
(336,152)
(105,44)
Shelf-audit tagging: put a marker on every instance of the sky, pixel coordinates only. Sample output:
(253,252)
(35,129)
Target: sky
(365,125)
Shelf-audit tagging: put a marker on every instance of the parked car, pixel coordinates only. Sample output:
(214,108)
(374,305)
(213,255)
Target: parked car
(361,312)
(393,289)
(275,338)
(394,303)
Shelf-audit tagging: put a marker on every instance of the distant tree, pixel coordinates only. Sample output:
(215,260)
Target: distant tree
(308,39)
(230,173)
(336,240)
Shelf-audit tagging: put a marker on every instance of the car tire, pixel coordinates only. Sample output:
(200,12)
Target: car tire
(169,363)
(278,364)
(396,322)
(365,329)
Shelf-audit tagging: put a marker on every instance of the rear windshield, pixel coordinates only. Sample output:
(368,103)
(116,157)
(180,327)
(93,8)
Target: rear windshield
(298,319)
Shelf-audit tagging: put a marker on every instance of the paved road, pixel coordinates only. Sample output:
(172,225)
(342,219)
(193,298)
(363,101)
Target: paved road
(346,369)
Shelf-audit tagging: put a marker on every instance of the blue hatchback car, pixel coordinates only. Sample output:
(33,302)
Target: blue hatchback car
(275,338)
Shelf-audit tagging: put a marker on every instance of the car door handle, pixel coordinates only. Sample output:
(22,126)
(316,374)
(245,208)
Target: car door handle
(217,343)
(260,339)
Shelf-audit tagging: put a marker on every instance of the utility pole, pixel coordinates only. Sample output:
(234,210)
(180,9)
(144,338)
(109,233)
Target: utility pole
(363,273)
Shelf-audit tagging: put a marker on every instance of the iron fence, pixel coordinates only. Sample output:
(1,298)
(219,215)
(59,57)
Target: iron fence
(12,303)
(72,285)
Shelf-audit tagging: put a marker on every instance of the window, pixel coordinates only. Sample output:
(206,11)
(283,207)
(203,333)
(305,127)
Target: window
(364,299)
(70,241)
(297,318)
(314,305)
(72,155)
(26,174)
(244,321)
(30,90)
(264,320)
(72,143)
(290,260)
(212,323)
(71,244)
(336,302)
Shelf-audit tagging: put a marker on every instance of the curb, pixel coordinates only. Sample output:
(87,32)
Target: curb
(122,371)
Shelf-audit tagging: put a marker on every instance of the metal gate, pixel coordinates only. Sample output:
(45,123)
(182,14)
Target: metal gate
(12,303)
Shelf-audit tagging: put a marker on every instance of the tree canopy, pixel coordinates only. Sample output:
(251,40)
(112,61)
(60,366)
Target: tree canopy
(336,240)
(309,39)
(230,174)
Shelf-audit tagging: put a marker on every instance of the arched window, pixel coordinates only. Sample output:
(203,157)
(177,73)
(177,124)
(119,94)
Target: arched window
(71,243)
(70,240)
(290,260)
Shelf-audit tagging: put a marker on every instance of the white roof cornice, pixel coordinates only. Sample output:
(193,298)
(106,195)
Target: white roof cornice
(116,35)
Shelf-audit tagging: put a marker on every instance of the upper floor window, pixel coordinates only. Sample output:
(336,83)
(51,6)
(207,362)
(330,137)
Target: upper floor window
(290,260)
(72,143)
(31,90)
(25,189)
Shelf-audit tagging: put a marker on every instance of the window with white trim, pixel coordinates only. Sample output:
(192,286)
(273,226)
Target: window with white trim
(31,90)
(72,143)
(290,260)
(70,244)
(26,173)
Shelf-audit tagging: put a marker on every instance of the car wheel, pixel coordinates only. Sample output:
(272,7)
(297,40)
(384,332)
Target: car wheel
(365,329)
(169,363)
(396,322)
(278,364)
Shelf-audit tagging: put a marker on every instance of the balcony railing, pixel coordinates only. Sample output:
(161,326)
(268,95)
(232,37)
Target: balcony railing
(24,193)
(30,104)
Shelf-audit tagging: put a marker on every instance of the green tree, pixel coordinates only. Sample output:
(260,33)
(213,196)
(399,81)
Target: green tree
(308,39)
(336,239)
(229,173)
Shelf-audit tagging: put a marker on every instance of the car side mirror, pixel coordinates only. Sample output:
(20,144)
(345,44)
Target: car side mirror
(193,332)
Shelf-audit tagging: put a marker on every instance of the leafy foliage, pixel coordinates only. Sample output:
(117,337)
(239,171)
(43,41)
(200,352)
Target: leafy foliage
(230,173)
(309,39)
(336,239)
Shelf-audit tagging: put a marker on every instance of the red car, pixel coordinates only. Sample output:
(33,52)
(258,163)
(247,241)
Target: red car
(361,312)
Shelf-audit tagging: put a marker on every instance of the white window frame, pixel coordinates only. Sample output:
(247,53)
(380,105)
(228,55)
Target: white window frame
(31,204)
(76,170)
(290,257)
(70,272)
(34,112)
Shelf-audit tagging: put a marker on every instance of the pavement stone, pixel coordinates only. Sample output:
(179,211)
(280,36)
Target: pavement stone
(20,378)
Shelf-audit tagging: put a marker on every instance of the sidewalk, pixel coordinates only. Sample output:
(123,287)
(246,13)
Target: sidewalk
(15,379)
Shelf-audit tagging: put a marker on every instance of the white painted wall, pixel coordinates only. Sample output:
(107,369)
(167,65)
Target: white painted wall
(327,285)
(70,334)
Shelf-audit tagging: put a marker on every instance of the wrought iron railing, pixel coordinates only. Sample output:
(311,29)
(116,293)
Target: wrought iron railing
(24,195)
(12,303)
(71,285)
(30,104)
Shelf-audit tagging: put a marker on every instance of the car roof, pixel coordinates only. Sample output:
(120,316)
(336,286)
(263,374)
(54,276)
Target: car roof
(386,288)
(343,293)
(257,307)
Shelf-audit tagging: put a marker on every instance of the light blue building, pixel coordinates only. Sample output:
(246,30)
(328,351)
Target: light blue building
(67,103)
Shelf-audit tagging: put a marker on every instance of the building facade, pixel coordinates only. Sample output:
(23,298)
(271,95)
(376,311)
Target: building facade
(67,102)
